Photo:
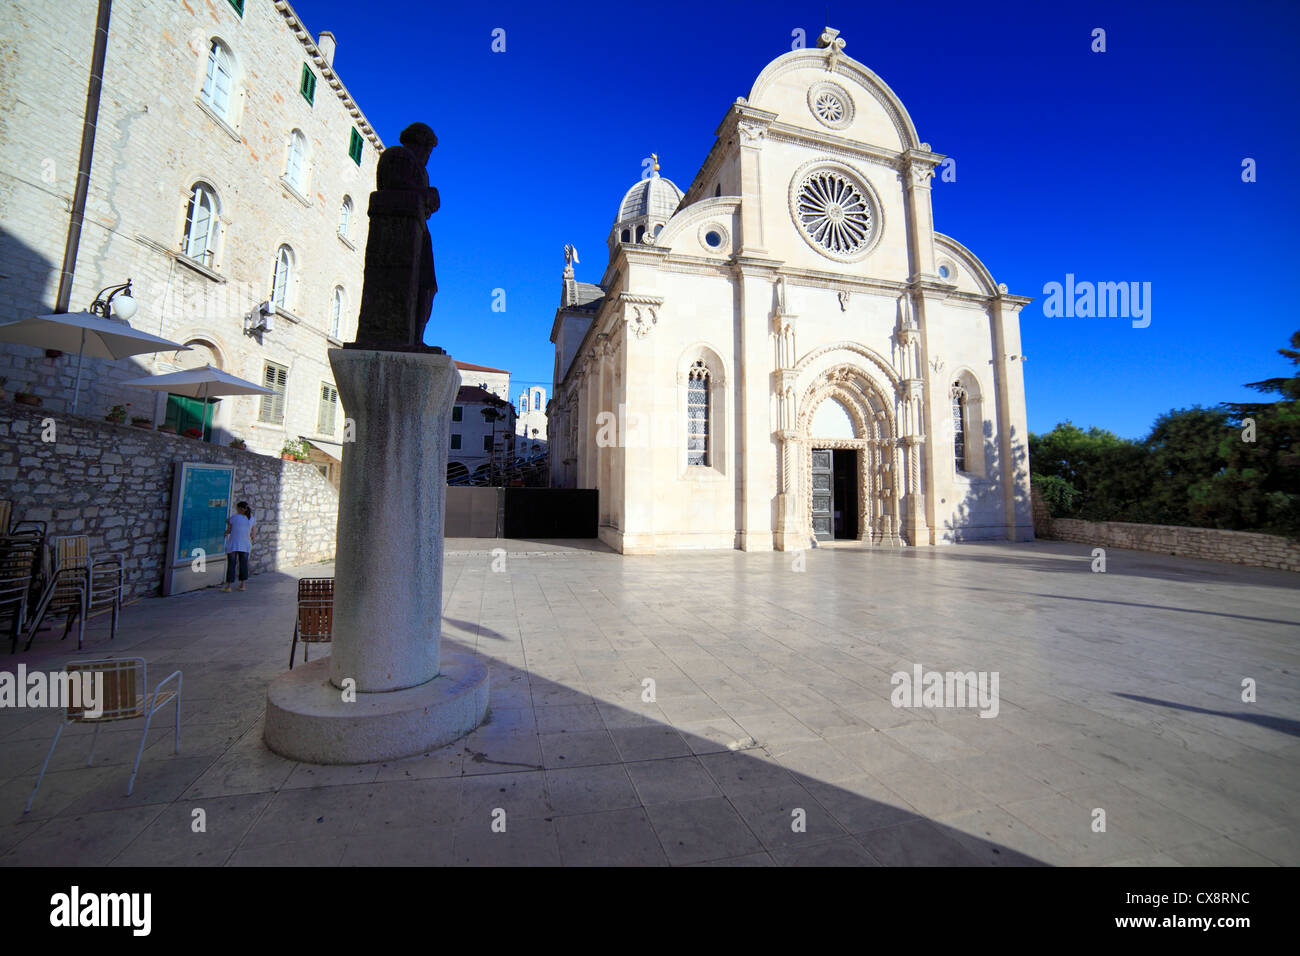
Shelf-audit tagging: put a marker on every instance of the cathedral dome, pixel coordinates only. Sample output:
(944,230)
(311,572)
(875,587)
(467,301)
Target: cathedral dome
(655,198)
(645,209)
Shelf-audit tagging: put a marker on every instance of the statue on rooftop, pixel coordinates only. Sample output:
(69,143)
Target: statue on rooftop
(399,283)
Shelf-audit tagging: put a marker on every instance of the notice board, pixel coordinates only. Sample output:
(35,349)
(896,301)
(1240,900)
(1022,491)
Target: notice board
(201,503)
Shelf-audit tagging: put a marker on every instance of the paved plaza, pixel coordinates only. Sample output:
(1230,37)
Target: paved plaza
(771,738)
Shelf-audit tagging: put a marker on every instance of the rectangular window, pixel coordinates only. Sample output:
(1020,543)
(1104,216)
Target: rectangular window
(238,5)
(354,147)
(276,378)
(307,87)
(697,421)
(329,405)
(457,413)
(487,442)
(455,441)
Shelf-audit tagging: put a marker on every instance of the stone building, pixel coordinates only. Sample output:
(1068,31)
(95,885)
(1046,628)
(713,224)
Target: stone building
(530,425)
(480,443)
(788,352)
(230,178)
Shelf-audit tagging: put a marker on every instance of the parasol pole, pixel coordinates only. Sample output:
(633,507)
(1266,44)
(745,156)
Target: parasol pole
(76,386)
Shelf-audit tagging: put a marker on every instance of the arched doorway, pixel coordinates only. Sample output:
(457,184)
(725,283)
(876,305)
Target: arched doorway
(848,487)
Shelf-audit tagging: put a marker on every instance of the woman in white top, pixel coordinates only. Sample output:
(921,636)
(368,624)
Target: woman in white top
(241,530)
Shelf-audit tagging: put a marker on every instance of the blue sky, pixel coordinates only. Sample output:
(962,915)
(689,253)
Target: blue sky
(1116,166)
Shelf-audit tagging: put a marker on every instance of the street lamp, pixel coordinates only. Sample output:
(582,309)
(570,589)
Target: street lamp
(124,308)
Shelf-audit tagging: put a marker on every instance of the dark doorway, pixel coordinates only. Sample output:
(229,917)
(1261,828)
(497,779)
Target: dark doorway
(845,504)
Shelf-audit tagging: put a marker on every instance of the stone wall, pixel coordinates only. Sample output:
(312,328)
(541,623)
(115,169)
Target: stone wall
(1211,544)
(114,483)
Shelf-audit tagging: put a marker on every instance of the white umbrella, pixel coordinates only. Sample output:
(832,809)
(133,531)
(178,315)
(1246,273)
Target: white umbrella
(201,383)
(86,334)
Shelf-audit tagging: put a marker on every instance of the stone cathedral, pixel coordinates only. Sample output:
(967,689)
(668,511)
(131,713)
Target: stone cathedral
(788,353)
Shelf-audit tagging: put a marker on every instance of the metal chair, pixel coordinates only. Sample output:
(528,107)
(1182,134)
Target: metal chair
(314,623)
(77,579)
(123,694)
(18,563)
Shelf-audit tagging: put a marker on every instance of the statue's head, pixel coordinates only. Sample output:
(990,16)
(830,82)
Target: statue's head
(419,139)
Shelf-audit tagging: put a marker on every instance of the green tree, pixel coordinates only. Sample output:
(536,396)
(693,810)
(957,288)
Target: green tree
(1258,487)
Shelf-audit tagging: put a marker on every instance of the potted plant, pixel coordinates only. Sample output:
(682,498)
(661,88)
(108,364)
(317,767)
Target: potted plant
(193,433)
(294,449)
(238,443)
(27,398)
(141,421)
(116,415)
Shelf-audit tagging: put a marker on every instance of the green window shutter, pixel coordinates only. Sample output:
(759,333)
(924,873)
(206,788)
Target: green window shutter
(354,147)
(276,378)
(329,403)
(308,85)
(184,412)
(238,5)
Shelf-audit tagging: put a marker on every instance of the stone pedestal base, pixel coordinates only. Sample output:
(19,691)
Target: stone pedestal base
(308,720)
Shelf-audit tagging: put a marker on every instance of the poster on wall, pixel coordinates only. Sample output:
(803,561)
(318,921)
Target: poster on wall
(201,503)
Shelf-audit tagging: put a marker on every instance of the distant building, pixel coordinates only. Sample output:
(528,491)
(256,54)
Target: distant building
(530,425)
(494,380)
(480,445)
(229,181)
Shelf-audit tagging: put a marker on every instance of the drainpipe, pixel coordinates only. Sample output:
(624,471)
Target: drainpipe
(87,153)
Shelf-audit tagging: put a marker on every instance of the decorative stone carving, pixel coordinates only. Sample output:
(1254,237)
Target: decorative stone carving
(844,300)
(831,104)
(830,42)
(835,210)
(752,134)
(640,312)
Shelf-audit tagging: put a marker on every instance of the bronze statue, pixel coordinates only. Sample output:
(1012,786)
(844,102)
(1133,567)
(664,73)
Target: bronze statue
(399,284)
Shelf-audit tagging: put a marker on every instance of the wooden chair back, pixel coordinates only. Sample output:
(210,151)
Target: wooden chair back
(316,610)
(123,692)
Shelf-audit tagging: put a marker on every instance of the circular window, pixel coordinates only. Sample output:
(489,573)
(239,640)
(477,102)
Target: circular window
(714,237)
(943,272)
(831,104)
(835,212)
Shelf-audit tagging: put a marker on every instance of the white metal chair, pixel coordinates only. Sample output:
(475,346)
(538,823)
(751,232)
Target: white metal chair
(124,695)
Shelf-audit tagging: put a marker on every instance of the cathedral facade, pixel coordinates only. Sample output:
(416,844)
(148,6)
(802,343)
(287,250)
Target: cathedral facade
(788,352)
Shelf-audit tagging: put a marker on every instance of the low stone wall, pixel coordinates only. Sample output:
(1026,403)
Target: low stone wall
(114,484)
(1212,544)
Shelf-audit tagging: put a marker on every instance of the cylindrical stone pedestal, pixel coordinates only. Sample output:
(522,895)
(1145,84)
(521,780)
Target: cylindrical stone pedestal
(388,573)
(385,691)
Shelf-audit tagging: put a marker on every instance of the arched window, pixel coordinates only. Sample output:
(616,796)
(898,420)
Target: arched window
(537,400)
(640,233)
(282,279)
(626,235)
(959,425)
(345,218)
(296,160)
(336,312)
(201,223)
(219,80)
(697,415)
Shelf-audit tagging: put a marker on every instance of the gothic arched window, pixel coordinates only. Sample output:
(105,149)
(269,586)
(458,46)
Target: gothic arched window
(959,426)
(697,415)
